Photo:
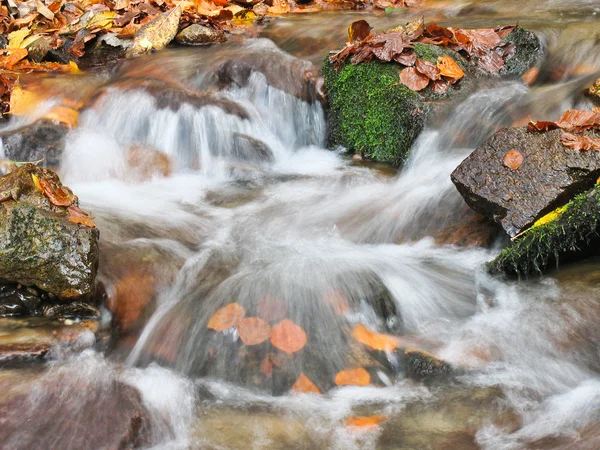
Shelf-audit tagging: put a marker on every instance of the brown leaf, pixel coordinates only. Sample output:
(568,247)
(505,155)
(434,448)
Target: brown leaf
(76,215)
(58,197)
(541,126)
(413,79)
(407,57)
(449,68)
(579,120)
(227,317)
(440,87)
(13,56)
(254,331)
(359,30)
(304,385)
(513,159)
(580,142)
(531,75)
(428,69)
(353,377)
(266,367)
(288,337)
(374,340)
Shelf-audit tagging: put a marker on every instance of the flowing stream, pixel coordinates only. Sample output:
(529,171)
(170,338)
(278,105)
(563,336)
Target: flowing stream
(254,209)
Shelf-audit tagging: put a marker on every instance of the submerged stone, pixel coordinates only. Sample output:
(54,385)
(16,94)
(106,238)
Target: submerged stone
(197,34)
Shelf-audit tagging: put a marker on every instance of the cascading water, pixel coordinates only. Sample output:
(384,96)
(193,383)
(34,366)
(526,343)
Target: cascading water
(255,210)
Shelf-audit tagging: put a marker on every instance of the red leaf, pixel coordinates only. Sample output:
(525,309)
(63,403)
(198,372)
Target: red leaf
(359,30)
(413,79)
(541,126)
(428,69)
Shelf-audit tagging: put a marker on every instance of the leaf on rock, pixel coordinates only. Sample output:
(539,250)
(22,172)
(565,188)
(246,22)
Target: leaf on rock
(413,79)
(76,215)
(513,159)
(580,142)
(16,38)
(266,367)
(428,69)
(359,30)
(579,120)
(101,20)
(271,309)
(541,126)
(305,385)
(157,33)
(374,340)
(440,87)
(288,337)
(36,182)
(12,57)
(449,68)
(58,197)
(254,330)
(353,377)
(365,422)
(227,317)
(63,114)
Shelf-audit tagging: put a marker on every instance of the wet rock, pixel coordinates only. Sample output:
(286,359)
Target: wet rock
(594,91)
(423,365)
(16,300)
(549,176)
(73,310)
(197,34)
(42,140)
(247,148)
(39,246)
(146,163)
(529,52)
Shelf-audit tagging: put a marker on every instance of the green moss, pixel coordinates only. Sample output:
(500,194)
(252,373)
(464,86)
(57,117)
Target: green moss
(370,112)
(428,52)
(569,235)
(528,51)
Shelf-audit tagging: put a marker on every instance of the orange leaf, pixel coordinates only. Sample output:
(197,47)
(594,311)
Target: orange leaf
(76,215)
(304,385)
(368,422)
(353,377)
(227,317)
(288,337)
(14,56)
(449,68)
(254,330)
(580,142)
(63,114)
(376,341)
(513,159)
(58,197)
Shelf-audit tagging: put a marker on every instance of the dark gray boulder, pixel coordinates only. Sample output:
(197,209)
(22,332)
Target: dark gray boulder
(549,176)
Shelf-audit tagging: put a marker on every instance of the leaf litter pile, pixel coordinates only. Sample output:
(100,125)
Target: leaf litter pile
(486,46)
(574,123)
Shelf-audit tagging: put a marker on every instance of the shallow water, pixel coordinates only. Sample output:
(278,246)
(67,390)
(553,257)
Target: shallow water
(301,227)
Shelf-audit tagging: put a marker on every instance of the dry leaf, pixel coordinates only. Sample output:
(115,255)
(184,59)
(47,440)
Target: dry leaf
(254,331)
(374,340)
(13,56)
(413,79)
(578,120)
(304,385)
(227,317)
(353,377)
(580,142)
(288,337)
(15,39)
(513,159)
(541,126)
(449,68)
(36,182)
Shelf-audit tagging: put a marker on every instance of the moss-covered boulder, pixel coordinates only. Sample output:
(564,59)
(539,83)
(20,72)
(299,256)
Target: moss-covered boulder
(44,239)
(569,232)
(528,52)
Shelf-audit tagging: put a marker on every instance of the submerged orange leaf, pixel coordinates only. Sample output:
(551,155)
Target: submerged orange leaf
(227,317)
(376,341)
(365,422)
(304,385)
(288,336)
(449,68)
(353,377)
(266,367)
(254,331)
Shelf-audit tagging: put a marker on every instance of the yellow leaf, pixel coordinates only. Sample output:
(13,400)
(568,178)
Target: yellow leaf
(23,102)
(16,37)
(74,68)
(36,182)
(30,40)
(63,114)
(234,9)
(550,217)
(103,19)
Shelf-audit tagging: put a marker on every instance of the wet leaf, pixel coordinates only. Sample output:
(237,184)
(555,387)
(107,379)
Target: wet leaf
(23,102)
(374,340)
(304,385)
(366,422)
(428,69)
(359,30)
(36,182)
(541,126)
(271,309)
(353,377)
(227,317)
(550,217)
(580,142)
(254,331)
(266,367)
(288,337)
(531,75)
(63,114)
(440,87)
(338,301)
(579,120)
(78,216)
(58,197)
(449,68)
(158,33)
(513,159)
(413,79)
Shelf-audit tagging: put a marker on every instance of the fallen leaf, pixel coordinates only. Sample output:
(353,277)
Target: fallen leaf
(353,377)
(304,385)
(449,68)
(531,75)
(428,69)
(266,367)
(288,337)
(413,79)
(23,101)
(541,126)
(513,159)
(58,197)
(580,142)
(36,182)
(15,39)
(63,114)
(271,309)
(579,120)
(337,301)
(367,422)
(359,30)
(227,317)
(374,340)
(76,215)
(101,20)
(440,87)
(254,330)
(13,57)
(550,217)
(44,11)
